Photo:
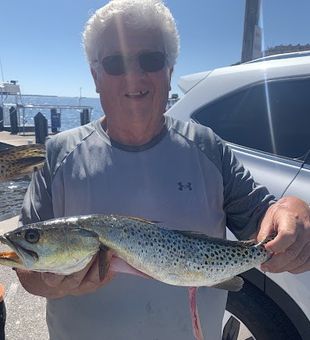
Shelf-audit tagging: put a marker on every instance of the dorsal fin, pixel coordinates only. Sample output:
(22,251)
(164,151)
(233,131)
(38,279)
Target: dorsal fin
(202,236)
(140,219)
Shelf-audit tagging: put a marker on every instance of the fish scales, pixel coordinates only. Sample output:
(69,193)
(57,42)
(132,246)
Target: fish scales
(177,257)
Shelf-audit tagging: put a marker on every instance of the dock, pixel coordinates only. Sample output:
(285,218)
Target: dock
(6,138)
(14,114)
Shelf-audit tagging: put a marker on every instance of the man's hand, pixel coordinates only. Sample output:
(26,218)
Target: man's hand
(54,286)
(289,218)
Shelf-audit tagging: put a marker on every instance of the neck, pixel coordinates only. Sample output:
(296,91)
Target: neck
(136,133)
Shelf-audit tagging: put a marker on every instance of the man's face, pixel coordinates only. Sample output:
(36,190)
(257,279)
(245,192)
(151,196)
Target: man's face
(135,93)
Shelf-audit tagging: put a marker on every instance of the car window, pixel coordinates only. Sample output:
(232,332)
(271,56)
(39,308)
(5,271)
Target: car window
(273,116)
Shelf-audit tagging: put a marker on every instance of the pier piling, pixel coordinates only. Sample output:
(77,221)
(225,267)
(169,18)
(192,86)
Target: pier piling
(1,119)
(13,120)
(84,116)
(40,127)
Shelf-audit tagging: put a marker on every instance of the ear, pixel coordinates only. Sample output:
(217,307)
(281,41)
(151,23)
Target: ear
(95,77)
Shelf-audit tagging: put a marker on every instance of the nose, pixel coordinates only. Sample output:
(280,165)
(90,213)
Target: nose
(133,67)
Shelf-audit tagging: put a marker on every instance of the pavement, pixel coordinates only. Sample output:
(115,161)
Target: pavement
(25,318)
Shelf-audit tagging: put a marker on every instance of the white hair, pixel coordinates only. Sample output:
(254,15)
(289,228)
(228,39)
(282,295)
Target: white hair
(139,14)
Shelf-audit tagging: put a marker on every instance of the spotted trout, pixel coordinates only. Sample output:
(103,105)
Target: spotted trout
(175,257)
(17,161)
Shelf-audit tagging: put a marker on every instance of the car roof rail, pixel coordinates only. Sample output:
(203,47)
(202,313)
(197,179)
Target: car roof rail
(280,56)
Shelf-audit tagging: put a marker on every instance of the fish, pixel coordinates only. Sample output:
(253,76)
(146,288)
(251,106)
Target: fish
(175,257)
(18,161)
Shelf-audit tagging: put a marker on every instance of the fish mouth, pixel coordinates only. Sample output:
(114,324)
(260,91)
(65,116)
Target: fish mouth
(19,253)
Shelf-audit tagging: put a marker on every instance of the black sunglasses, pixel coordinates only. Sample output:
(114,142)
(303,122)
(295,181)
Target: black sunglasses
(117,65)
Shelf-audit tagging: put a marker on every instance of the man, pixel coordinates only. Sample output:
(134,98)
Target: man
(137,162)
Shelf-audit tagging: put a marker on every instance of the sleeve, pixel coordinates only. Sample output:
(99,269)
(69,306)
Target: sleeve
(37,204)
(245,201)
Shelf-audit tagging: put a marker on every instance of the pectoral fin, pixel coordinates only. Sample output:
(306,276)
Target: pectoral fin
(234,284)
(103,263)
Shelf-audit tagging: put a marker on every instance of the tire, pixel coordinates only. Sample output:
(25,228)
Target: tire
(261,316)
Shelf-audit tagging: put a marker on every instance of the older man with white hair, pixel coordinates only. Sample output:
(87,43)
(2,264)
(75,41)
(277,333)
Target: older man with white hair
(136,161)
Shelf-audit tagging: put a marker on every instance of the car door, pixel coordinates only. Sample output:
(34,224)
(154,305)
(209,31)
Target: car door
(267,125)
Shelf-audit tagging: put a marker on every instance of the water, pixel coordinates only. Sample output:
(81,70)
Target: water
(12,193)
(69,118)
(11,197)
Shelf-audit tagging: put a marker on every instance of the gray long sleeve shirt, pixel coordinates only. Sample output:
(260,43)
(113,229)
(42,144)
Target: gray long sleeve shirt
(186,178)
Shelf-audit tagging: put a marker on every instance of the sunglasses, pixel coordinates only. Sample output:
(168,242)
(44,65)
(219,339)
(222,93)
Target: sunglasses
(117,65)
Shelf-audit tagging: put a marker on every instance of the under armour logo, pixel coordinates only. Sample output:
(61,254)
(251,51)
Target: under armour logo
(187,186)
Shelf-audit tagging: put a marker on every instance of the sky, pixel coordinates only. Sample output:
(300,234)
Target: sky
(40,40)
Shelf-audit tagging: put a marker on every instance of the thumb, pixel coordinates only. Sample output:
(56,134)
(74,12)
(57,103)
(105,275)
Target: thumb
(266,227)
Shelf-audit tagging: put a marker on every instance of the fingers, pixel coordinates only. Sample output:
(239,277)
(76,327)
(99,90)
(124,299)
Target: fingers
(294,260)
(290,219)
(302,261)
(66,283)
(57,286)
(52,280)
(285,238)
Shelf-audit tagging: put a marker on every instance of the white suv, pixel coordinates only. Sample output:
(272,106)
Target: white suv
(262,109)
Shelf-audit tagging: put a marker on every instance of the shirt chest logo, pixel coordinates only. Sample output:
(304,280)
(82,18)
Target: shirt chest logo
(185,186)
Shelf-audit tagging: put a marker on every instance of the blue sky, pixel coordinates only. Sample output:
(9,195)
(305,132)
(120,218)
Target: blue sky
(40,40)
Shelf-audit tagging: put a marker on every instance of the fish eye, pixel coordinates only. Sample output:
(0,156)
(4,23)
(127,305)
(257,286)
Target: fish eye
(32,236)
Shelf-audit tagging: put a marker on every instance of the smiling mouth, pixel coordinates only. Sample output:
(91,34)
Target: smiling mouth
(138,94)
